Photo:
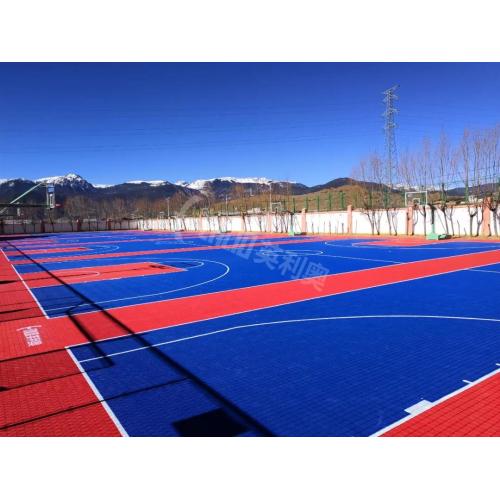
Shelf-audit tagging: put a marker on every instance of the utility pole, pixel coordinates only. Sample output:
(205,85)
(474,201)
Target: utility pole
(270,196)
(390,137)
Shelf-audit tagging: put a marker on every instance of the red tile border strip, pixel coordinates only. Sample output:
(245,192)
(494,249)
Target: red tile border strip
(96,273)
(156,252)
(472,412)
(67,402)
(41,251)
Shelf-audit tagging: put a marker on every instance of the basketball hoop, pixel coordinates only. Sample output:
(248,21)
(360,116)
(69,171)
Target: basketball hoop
(415,198)
(276,207)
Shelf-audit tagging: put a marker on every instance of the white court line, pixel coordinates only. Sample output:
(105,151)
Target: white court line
(124,241)
(363,245)
(372,260)
(91,251)
(400,262)
(435,403)
(167,261)
(97,273)
(94,250)
(97,393)
(175,242)
(286,252)
(253,286)
(101,262)
(310,280)
(149,294)
(287,321)
(151,260)
(432,246)
(161,260)
(484,271)
(42,310)
(342,243)
(232,289)
(98,251)
(418,407)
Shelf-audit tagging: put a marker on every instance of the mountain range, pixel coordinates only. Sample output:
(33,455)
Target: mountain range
(146,198)
(217,188)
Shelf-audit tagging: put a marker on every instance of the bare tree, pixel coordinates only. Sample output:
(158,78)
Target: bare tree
(76,208)
(479,146)
(445,171)
(408,174)
(423,176)
(369,172)
(491,178)
(466,173)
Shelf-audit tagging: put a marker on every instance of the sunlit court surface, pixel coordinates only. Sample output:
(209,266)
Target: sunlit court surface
(196,334)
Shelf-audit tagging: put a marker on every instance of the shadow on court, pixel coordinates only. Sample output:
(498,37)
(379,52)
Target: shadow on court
(38,369)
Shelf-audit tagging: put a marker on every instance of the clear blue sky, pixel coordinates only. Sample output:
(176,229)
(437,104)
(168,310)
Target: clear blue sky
(304,122)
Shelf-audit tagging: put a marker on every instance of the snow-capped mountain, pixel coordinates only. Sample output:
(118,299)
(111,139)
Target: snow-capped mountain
(75,182)
(69,181)
(200,184)
(151,183)
(71,185)
(220,187)
(11,182)
(217,188)
(152,190)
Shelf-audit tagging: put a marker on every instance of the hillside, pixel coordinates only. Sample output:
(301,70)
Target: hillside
(216,188)
(149,198)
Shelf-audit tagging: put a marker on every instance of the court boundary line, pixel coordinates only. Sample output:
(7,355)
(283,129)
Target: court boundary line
(174,238)
(241,288)
(233,289)
(378,433)
(97,273)
(287,321)
(98,395)
(90,252)
(434,246)
(436,403)
(42,310)
(198,248)
(322,296)
(116,258)
(228,270)
(485,270)
(20,251)
(253,310)
(373,260)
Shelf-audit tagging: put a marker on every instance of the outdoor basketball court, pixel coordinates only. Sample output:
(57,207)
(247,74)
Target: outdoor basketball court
(160,334)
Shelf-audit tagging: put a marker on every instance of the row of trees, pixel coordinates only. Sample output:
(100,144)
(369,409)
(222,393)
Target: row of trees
(178,204)
(465,173)
(120,207)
